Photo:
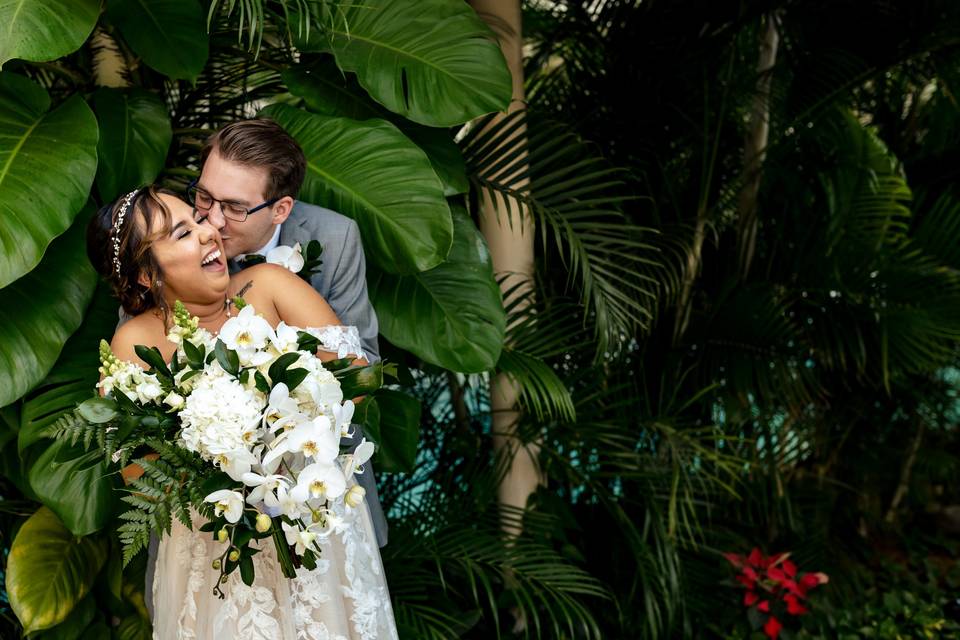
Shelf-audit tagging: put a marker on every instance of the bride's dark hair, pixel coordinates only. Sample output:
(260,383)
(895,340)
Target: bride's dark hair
(119,248)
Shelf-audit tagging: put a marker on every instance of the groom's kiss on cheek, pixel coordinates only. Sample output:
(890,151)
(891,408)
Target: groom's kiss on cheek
(237,201)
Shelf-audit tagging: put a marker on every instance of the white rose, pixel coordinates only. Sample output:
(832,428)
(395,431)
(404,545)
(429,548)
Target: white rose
(149,390)
(287,257)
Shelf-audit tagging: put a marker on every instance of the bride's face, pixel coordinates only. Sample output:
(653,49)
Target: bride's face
(190,255)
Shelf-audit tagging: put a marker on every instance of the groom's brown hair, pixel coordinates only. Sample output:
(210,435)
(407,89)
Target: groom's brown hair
(261,143)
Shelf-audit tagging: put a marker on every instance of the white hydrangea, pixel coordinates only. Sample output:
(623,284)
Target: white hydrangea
(220,415)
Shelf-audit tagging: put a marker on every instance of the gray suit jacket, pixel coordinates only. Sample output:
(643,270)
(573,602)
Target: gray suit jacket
(342,280)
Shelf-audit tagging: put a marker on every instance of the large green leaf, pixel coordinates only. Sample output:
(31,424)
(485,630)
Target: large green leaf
(75,624)
(47,163)
(33,30)
(41,310)
(135,135)
(372,173)
(169,35)
(50,570)
(70,382)
(77,485)
(392,419)
(326,91)
(451,315)
(433,61)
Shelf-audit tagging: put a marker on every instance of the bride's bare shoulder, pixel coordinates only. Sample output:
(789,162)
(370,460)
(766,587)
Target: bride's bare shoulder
(263,282)
(260,274)
(145,329)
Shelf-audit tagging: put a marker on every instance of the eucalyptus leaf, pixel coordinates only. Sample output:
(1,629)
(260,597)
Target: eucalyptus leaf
(98,410)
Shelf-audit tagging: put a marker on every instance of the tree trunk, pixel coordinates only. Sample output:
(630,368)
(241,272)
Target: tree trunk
(511,251)
(110,67)
(755,145)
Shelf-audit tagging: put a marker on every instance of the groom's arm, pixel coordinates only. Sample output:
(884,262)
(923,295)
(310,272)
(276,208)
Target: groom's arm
(348,292)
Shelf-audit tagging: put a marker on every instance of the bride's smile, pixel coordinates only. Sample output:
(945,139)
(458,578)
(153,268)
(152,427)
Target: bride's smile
(190,254)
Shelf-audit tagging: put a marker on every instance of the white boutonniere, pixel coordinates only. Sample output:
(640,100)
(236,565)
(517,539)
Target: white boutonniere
(303,263)
(287,257)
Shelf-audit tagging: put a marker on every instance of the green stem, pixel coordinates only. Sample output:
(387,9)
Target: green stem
(283,550)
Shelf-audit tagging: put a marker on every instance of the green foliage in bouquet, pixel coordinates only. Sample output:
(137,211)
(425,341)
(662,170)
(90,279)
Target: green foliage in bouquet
(140,414)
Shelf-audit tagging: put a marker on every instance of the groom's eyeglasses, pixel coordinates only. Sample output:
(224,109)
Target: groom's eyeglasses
(204,202)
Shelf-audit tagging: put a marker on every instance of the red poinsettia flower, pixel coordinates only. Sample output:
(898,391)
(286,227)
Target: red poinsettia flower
(789,568)
(747,582)
(736,560)
(750,598)
(756,558)
(764,606)
(794,607)
(776,574)
(772,628)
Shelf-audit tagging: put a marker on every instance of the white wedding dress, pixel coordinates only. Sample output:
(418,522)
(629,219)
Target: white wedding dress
(344,598)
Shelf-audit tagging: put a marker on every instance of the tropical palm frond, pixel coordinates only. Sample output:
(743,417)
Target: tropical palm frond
(938,228)
(537,337)
(445,541)
(574,198)
(300,19)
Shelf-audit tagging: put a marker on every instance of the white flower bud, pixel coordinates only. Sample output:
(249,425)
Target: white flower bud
(234,556)
(354,497)
(263,523)
(175,400)
(223,534)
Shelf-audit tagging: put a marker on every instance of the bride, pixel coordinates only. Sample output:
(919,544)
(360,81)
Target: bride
(154,249)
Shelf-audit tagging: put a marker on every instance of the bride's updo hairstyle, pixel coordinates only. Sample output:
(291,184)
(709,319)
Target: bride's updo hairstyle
(119,238)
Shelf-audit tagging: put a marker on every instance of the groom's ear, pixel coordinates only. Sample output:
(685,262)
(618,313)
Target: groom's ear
(282,209)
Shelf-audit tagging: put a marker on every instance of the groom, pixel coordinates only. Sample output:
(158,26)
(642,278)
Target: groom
(251,172)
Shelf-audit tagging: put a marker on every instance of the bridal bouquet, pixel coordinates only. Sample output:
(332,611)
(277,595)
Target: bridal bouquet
(247,426)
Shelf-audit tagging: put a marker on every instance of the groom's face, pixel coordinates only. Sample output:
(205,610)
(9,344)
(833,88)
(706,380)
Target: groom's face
(245,186)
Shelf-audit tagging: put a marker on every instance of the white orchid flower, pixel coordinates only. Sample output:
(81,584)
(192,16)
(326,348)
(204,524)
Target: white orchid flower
(227,503)
(275,452)
(354,462)
(288,506)
(285,338)
(298,537)
(315,439)
(282,409)
(287,257)
(265,489)
(319,482)
(247,333)
(343,416)
(233,462)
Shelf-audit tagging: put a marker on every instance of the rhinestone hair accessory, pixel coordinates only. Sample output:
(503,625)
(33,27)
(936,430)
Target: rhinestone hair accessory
(118,225)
